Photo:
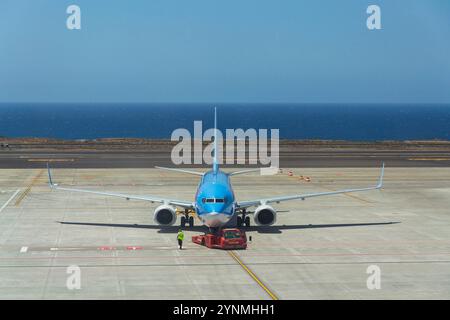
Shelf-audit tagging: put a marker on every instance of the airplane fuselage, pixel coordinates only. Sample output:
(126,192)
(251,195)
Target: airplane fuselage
(214,200)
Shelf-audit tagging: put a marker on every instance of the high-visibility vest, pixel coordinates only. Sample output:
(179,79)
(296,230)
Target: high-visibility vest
(180,236)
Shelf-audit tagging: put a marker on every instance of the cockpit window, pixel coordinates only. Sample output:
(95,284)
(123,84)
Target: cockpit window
(213,200)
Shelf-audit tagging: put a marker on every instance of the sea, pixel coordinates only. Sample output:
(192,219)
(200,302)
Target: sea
(353,122)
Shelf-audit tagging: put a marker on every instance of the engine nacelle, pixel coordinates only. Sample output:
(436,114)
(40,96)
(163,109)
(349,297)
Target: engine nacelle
(265,215)
(165,215)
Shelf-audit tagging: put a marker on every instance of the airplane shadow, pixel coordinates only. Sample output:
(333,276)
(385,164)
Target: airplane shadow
(259,229)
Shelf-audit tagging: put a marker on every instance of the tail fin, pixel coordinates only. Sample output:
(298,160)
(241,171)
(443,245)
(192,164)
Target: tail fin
(215,160)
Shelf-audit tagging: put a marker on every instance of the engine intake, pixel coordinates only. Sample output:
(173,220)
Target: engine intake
(265,215)
(165,215)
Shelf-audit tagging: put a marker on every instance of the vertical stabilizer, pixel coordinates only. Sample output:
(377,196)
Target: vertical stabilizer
(215,159)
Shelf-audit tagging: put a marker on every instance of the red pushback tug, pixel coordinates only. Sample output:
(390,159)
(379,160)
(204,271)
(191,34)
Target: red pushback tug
(223,239)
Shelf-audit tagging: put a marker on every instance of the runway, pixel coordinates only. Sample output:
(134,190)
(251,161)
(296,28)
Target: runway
(290,156)
(319,249)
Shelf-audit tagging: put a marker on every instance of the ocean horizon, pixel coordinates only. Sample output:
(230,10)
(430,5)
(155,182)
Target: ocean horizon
(353,122)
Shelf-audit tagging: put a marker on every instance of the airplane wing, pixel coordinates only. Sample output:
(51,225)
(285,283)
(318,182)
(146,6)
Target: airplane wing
(246,204)
(152,199)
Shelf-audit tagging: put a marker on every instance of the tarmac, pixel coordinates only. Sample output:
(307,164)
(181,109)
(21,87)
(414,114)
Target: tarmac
(321,248)
(148,154)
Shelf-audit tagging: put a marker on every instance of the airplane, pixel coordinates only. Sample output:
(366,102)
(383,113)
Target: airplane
(215,203)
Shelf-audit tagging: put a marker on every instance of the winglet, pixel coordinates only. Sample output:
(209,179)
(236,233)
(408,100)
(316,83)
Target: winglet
(380,180)
(50,182)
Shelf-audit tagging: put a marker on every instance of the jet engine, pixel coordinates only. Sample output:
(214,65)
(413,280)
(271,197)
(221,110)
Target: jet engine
(265,215)
(165,215)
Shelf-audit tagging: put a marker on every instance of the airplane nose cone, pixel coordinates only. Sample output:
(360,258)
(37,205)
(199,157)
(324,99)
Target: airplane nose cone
(215,219)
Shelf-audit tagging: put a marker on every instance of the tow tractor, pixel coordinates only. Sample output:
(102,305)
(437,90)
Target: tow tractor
(223,239)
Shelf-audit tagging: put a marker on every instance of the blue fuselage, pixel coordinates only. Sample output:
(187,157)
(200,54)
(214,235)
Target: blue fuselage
(214,200)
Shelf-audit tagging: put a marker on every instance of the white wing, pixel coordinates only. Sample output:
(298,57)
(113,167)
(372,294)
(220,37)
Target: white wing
(179,203)
(246,204)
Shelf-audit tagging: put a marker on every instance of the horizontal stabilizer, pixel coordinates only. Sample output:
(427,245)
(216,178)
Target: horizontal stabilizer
(262,171)
(182,170)
(244,171)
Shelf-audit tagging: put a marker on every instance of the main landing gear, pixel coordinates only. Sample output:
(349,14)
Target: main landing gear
(187,218)
(243,219)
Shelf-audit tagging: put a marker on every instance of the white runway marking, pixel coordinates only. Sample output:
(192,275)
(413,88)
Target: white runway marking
(23,249)
(9,200)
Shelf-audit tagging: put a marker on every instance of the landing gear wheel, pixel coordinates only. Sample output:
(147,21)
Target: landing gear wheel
(183,222)
(191,222)
(239,221)
(247,221)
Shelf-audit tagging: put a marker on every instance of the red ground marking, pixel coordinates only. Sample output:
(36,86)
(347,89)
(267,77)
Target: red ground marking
(103,248)
(134,248)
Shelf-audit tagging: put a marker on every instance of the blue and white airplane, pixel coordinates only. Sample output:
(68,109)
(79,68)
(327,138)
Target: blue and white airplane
(215,203)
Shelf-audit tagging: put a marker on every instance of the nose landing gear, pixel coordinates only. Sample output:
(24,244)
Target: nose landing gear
(187,218)
(243,219)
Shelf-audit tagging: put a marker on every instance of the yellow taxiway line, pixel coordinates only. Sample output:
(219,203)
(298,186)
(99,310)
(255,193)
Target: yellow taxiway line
(28,189)
(254,277)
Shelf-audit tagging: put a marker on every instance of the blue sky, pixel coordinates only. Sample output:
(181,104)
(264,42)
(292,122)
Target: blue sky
(225,51)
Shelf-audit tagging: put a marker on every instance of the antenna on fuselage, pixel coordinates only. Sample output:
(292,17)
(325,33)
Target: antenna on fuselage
(215,161)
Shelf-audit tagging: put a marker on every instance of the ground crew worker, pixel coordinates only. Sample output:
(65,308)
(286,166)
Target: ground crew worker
(180,238)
